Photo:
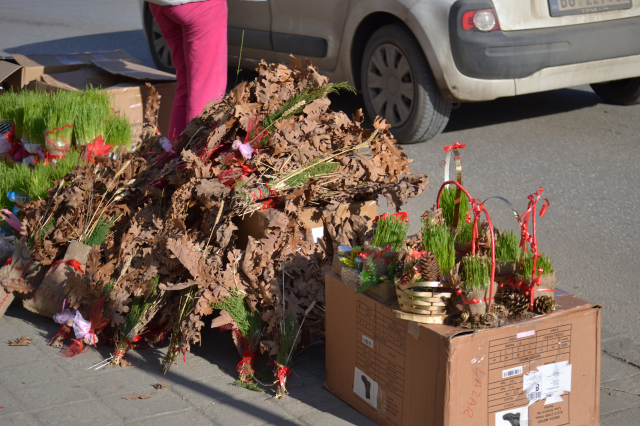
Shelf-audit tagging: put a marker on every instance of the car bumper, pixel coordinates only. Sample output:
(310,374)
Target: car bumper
(500,55)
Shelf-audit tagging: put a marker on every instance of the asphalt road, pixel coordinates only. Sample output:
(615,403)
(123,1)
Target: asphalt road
(583,152)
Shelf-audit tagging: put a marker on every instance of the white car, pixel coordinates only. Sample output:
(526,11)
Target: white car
(412,59)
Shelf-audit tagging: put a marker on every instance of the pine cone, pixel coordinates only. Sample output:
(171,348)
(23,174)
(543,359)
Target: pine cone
(500,310)
(489,320)
(464,316)
(429,269)
(505,291)
(544,304)
(516,303)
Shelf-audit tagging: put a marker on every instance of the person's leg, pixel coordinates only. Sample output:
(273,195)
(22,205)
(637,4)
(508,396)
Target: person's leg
(172,32)
(204,28)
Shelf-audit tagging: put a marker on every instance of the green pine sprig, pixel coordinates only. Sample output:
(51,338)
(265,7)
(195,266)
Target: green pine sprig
(288,337)
(249,322)
(139,308)
(101,231)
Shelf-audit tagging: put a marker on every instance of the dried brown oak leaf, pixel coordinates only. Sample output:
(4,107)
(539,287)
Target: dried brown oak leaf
(23,341)
(138,396)
(161,386)
(16,284)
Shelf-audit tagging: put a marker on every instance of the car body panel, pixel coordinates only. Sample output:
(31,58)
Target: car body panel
(311,18)
(515,15)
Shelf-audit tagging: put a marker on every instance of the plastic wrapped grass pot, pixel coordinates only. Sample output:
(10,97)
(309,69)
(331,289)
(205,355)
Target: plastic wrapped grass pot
(483,296)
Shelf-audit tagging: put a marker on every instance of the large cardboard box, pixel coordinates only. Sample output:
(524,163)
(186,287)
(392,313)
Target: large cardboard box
(125,81)
(539,372)
(255,225)
(20,70)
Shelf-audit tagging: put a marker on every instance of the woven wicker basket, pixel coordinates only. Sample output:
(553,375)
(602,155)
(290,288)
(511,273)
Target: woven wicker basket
(432,303)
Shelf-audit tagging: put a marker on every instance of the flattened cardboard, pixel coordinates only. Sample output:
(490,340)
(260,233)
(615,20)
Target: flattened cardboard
(255,225)
(34,66)
(135,71)
(401,373)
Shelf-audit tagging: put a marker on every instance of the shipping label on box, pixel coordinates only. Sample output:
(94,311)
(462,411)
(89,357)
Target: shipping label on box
(529,378)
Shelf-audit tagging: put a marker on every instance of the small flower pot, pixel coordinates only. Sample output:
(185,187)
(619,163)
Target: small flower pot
(383,292)
(480,307)
(380,260)
(548,283)
(350,277)
(506,269)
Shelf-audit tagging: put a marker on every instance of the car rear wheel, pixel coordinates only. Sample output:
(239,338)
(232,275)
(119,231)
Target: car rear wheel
(620,92)
(397,84)
(158,46)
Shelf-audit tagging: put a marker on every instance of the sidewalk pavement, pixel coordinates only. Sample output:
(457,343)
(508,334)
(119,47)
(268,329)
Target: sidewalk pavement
(40,387)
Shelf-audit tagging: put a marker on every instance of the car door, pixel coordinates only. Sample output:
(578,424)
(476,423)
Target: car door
(254,18)
(308,29)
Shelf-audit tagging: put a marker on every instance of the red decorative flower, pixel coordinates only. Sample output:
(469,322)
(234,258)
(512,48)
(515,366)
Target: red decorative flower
(97,148)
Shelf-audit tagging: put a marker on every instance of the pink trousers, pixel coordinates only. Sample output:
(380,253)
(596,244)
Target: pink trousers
(197,37)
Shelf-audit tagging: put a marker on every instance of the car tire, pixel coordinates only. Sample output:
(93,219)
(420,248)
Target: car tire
(397,84)
(158,46)
(619,92)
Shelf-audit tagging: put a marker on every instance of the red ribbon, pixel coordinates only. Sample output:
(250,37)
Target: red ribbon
(400,215)
(65,332)
(282,372)
(249,357)
(5,298)
(25,268)
(472,301)
(377,256)
(456,145)
(8,262)
(71,262)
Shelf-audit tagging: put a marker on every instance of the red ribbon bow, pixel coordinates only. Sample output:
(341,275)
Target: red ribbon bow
(282,372)
(71,262)
(456,146)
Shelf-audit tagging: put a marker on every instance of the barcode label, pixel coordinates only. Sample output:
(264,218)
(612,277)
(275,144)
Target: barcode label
(367,341)
(511,372)
(534,396)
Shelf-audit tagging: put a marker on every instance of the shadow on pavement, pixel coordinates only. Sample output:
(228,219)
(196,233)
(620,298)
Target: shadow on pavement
(133,42)
(504,110)
(217,349)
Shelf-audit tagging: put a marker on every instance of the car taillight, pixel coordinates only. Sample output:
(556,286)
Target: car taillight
(482,20)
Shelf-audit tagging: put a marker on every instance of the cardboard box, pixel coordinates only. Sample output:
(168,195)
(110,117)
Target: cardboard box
(125,81)
(255,225)
(23,69)
(402,373)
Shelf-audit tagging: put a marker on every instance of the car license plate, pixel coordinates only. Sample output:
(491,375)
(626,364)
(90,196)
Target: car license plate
(579,7)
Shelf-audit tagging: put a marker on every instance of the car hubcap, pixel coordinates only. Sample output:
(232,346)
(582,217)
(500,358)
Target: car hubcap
(161,46)
(390,84)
